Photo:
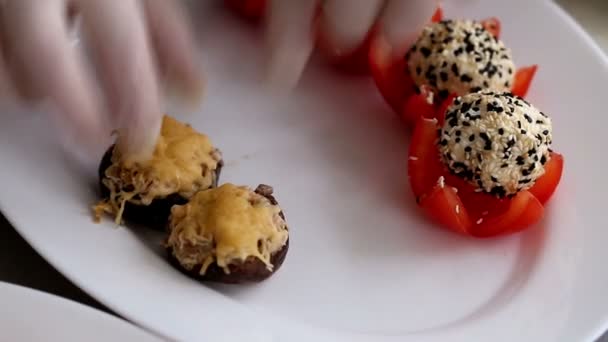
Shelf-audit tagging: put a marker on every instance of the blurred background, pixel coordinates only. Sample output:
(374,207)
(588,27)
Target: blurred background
(20,264)
(592,15)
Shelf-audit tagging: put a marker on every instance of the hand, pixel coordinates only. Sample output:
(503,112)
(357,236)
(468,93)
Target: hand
(133,44)
(345,23)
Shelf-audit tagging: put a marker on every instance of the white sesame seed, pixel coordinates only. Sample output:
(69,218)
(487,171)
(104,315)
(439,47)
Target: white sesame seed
(441,182)
(479,221)
(457,209)
(455,189)
(413,158)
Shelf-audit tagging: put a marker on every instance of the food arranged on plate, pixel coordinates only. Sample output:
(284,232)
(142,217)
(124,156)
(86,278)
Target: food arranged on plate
(229,234)
(449,58)
(480,159)
(183,163)
(487,168)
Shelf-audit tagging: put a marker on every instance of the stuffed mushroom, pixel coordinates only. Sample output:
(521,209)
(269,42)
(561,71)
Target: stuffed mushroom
(230,234)
(183,163)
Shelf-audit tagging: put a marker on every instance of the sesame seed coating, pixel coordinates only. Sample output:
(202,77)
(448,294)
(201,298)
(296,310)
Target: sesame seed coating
(460,57)
(497,141)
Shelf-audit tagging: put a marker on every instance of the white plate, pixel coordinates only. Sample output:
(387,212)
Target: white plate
(30,315)
(363,264)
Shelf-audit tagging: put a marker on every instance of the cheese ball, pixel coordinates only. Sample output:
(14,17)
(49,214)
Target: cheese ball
(229,234)
(460,57)
(496,141)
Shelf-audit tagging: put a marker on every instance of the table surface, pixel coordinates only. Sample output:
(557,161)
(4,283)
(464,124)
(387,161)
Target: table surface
(20,264)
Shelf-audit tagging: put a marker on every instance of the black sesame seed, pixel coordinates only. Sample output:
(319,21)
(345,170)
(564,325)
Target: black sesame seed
(486,84)
(458,133)
(524,181)
(444,76)
(459,165)
(475,89)
(546,132)
(425,52)
(455,69)
(519,160)
(543,160)
(458,52)
(466,78)
(472,137)
(525,172)
(523,131)
(453,122)
(443,142)
(528,118)
(540,122)
(448,40)
(468,149)
(501,131)
(498,191)
(457,140)
(504,165)
(465,107)
(466,123)
(494,179)
(518,124)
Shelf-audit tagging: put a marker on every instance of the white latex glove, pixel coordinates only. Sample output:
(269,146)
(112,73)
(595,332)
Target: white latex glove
(134,45)
(347,22)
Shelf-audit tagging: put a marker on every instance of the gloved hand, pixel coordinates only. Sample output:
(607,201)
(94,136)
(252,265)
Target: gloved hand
(134,45)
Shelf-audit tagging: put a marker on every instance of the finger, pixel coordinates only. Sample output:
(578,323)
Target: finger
(49,66)
(174,48)
(118,38)
(403,20)
(345,23)
(290,40)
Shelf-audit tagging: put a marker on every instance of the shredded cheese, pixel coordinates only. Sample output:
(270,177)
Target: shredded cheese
(183,163)
(226,225)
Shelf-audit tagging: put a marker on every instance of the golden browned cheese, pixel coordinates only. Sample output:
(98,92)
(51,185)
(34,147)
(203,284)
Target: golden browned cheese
(227,224)
(183,162)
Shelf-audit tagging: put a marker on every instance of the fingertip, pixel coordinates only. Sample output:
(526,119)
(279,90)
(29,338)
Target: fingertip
(290,41)
(345,24)
(137,140)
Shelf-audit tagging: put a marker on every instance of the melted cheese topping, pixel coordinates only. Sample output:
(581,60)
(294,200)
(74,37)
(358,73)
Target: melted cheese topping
(183,163)
(460,57)
(226,225)
(498,142)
